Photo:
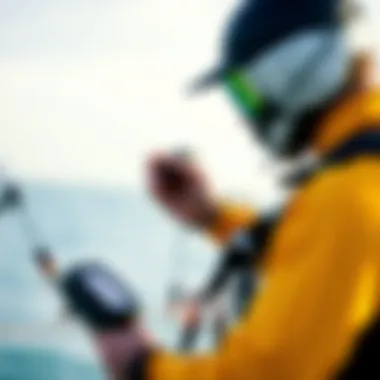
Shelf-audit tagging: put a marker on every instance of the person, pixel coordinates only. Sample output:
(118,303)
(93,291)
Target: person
(196,206)
(178,184)
(316,316)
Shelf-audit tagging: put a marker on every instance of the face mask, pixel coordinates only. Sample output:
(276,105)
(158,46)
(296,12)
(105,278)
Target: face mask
(285,82)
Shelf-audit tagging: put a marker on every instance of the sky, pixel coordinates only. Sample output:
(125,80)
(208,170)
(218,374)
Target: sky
(90,87)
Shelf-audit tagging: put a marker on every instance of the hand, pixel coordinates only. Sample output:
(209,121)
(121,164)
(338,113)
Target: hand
(180,186)
(110,309)
(119,349)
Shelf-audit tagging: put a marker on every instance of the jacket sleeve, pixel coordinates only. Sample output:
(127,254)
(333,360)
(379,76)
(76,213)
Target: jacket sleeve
(230,218)
(319,293)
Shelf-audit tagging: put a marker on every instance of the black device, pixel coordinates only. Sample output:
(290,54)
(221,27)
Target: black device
(98,297)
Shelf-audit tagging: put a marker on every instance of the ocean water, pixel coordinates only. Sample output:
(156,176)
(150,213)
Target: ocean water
(119,226)
(44,364)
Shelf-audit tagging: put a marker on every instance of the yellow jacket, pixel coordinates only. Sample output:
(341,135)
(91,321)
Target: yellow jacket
(231,217)
(321,271)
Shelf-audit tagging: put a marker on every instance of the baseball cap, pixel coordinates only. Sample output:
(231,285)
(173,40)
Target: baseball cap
(259,24)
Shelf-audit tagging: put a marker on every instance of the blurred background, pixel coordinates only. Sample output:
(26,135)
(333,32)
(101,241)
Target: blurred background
(88,89)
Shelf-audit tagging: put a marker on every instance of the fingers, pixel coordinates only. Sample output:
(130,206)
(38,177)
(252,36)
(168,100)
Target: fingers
(168,175)
(180,186)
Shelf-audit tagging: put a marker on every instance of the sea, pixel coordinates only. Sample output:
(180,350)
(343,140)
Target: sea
(118,226)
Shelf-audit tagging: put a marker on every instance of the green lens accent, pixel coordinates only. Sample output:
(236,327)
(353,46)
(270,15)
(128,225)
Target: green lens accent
(243,94)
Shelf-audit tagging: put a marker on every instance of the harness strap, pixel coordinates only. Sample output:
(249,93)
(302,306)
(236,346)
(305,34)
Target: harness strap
(364,143)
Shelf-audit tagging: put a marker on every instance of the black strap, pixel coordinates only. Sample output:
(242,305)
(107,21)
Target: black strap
(138,369)
(364,143)
(364,363)
(188,337)
(245,248)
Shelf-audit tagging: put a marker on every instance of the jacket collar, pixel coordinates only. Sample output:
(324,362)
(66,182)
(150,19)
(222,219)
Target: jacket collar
(353,115)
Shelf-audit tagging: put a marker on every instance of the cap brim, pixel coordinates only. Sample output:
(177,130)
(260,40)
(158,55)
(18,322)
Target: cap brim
(206,82)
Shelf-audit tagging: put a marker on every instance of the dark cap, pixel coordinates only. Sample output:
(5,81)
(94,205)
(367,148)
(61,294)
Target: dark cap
(259,24)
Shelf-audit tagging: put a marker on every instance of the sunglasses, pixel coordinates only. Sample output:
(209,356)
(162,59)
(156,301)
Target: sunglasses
(248,99)
(243,94)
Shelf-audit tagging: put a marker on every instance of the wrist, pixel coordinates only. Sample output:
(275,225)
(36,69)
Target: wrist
(124,351)
(208,215)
